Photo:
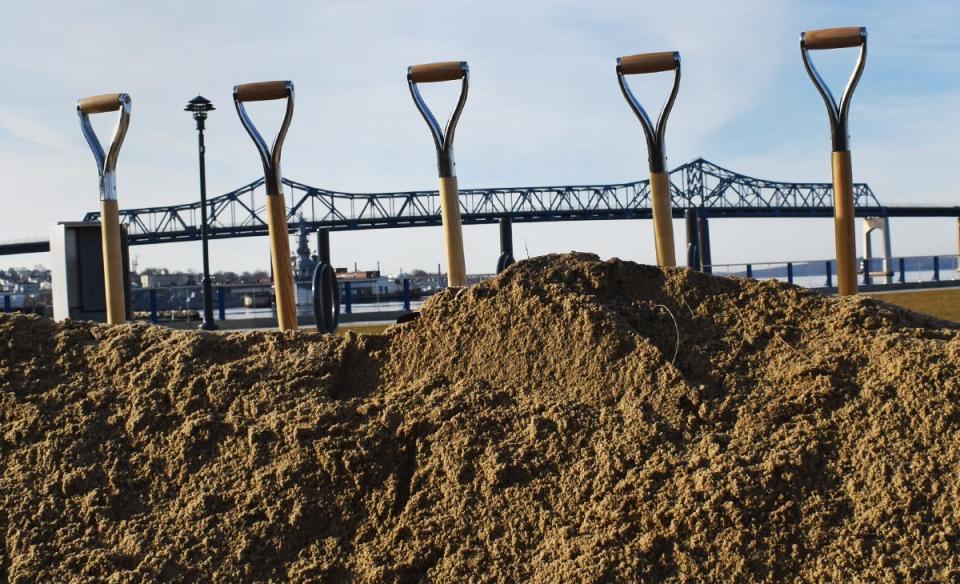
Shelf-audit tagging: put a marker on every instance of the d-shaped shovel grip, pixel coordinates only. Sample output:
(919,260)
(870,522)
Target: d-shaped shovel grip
(106,162)
(835,38)
(442,139)
(266,91)
(655,134)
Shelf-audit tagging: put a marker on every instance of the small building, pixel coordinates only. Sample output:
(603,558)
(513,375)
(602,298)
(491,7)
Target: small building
(165,279)
(367,284)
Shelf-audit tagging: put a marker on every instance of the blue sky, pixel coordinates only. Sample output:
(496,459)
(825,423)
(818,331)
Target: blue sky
(544,108)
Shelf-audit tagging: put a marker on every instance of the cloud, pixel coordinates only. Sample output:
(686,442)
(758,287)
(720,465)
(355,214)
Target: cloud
(22,127)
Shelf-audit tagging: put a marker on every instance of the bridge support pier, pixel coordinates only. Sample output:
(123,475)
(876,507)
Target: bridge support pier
(703,236)
(870,224)
(506,244)
(693,239)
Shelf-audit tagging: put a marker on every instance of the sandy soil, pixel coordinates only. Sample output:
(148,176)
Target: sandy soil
(571,420)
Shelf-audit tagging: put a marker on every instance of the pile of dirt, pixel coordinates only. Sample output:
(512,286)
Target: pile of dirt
(571,420)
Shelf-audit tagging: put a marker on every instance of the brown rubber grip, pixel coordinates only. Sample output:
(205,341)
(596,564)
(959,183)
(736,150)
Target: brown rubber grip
(433,72)
(99,104)
(261,91)
(834,38)
(649,63)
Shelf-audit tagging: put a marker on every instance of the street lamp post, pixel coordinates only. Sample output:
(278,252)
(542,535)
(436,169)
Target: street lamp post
(199,106)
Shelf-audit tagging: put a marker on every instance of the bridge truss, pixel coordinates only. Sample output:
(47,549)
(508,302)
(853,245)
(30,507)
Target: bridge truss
(713,190)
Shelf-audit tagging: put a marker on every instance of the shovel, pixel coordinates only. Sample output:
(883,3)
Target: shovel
(109,212)
(443,140)
(659,179)
(276,206)
(843,204)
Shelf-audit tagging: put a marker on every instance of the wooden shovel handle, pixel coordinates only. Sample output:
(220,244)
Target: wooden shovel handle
(649,62)
(843,221)
(262,91)
(662,219)
(99,104)
(452,232)
(285,291)
(834,38)
(113,286)
(433,72)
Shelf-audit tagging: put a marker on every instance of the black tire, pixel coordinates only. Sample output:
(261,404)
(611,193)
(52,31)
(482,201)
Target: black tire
(504,261)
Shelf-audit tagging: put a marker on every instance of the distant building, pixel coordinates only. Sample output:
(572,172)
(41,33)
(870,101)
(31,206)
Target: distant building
(367,284)
(164,279)
(24,280)
(26,287)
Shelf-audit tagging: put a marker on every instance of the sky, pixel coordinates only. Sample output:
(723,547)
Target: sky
(544,108)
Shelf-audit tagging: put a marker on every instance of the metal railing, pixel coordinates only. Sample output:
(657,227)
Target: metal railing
(875,271)
(255,300)
(39,302)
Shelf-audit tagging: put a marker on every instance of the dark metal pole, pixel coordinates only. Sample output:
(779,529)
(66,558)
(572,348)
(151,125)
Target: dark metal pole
(323,246)
(207,324)
(199,107)
(506,244)
(506,235)
(693,238)
(703,240)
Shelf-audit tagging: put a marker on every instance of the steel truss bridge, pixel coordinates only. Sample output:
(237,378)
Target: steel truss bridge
(711,189)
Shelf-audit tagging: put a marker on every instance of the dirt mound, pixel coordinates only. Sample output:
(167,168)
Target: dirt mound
(570,420)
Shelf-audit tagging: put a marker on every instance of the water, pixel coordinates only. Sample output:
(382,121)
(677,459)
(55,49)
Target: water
(371,308)
(814,274)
